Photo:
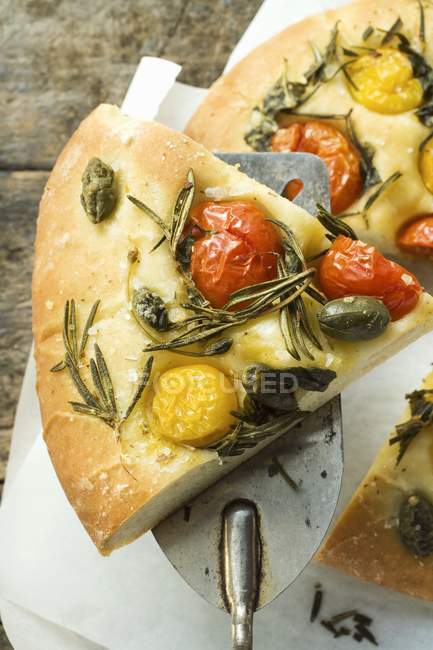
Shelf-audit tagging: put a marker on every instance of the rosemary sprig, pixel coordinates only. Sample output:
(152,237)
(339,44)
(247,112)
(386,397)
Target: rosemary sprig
(99,400)
(144,380)
(172,232)
(367,33)
(370,175)
(69,333)
(294,322)
(381,189)
(219,347)
(335,226)
(363,212)
(421,23)
(296,327)
(246,435)
(284,474)
(421,411)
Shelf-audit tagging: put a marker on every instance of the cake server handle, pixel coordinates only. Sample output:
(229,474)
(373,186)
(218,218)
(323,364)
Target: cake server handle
(241,569)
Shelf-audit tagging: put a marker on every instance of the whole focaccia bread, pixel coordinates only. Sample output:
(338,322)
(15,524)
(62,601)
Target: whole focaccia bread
(353,86)
(385,535)
(167,286)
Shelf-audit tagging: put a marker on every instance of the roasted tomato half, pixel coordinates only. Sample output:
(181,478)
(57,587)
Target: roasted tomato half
(417,236)
(353,268)
(235,247)
(383,82)
(338,154)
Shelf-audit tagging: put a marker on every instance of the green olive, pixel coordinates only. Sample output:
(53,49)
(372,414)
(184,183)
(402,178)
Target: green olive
(416,524)
(355,318)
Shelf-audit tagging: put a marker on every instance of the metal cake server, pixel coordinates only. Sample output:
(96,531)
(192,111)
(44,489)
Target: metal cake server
(244,540)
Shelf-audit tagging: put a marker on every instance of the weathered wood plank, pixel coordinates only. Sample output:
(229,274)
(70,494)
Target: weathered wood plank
(60,59)
(19,197)
(206,35)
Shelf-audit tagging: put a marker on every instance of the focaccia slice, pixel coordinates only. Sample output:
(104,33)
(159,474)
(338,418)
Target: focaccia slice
(385,535)
(322,74)
(108,295)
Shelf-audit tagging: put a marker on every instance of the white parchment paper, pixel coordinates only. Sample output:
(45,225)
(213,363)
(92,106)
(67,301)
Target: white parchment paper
(58,593)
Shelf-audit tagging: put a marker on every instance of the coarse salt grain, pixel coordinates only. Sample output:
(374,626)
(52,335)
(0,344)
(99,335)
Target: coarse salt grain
(329,359)
(407,279)
(126,138)
(131,357)
(64,238)
(215,192)
(49,304)
(132,375)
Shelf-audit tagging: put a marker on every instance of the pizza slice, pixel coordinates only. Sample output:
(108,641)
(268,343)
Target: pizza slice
(185,315)
(385,535)
(353,86)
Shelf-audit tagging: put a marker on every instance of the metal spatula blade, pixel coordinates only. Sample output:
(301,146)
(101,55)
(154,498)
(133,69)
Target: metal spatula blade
(243,541)
(275,170)
(292,522)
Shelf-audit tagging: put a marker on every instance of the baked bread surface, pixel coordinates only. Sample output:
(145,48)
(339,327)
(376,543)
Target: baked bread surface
(365,541)
(221,121)
(122,486)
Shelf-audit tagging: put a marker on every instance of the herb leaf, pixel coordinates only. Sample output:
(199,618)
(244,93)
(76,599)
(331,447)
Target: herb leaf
(69,333)
(394,29)
(421,416)
(384,185)
(335,226)
(144,379)
(99,401)
(247,435)
(370,175)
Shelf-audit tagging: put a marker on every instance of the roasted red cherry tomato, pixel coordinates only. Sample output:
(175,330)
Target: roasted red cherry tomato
(353,268)
(417,236)
(338,154)
(235,247)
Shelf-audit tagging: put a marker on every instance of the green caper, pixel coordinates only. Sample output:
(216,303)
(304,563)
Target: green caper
(150,309)
(98,195)
(355,318)
(416,524)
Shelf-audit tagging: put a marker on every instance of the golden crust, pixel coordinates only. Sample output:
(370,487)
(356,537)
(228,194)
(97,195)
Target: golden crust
(365,541)
(120,489)
(222,119)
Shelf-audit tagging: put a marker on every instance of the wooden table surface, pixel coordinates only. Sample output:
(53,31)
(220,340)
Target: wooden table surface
(59,59)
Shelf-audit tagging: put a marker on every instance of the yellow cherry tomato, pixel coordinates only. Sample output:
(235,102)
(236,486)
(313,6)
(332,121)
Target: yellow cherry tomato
(383,82)
(192,405)
(426,165)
